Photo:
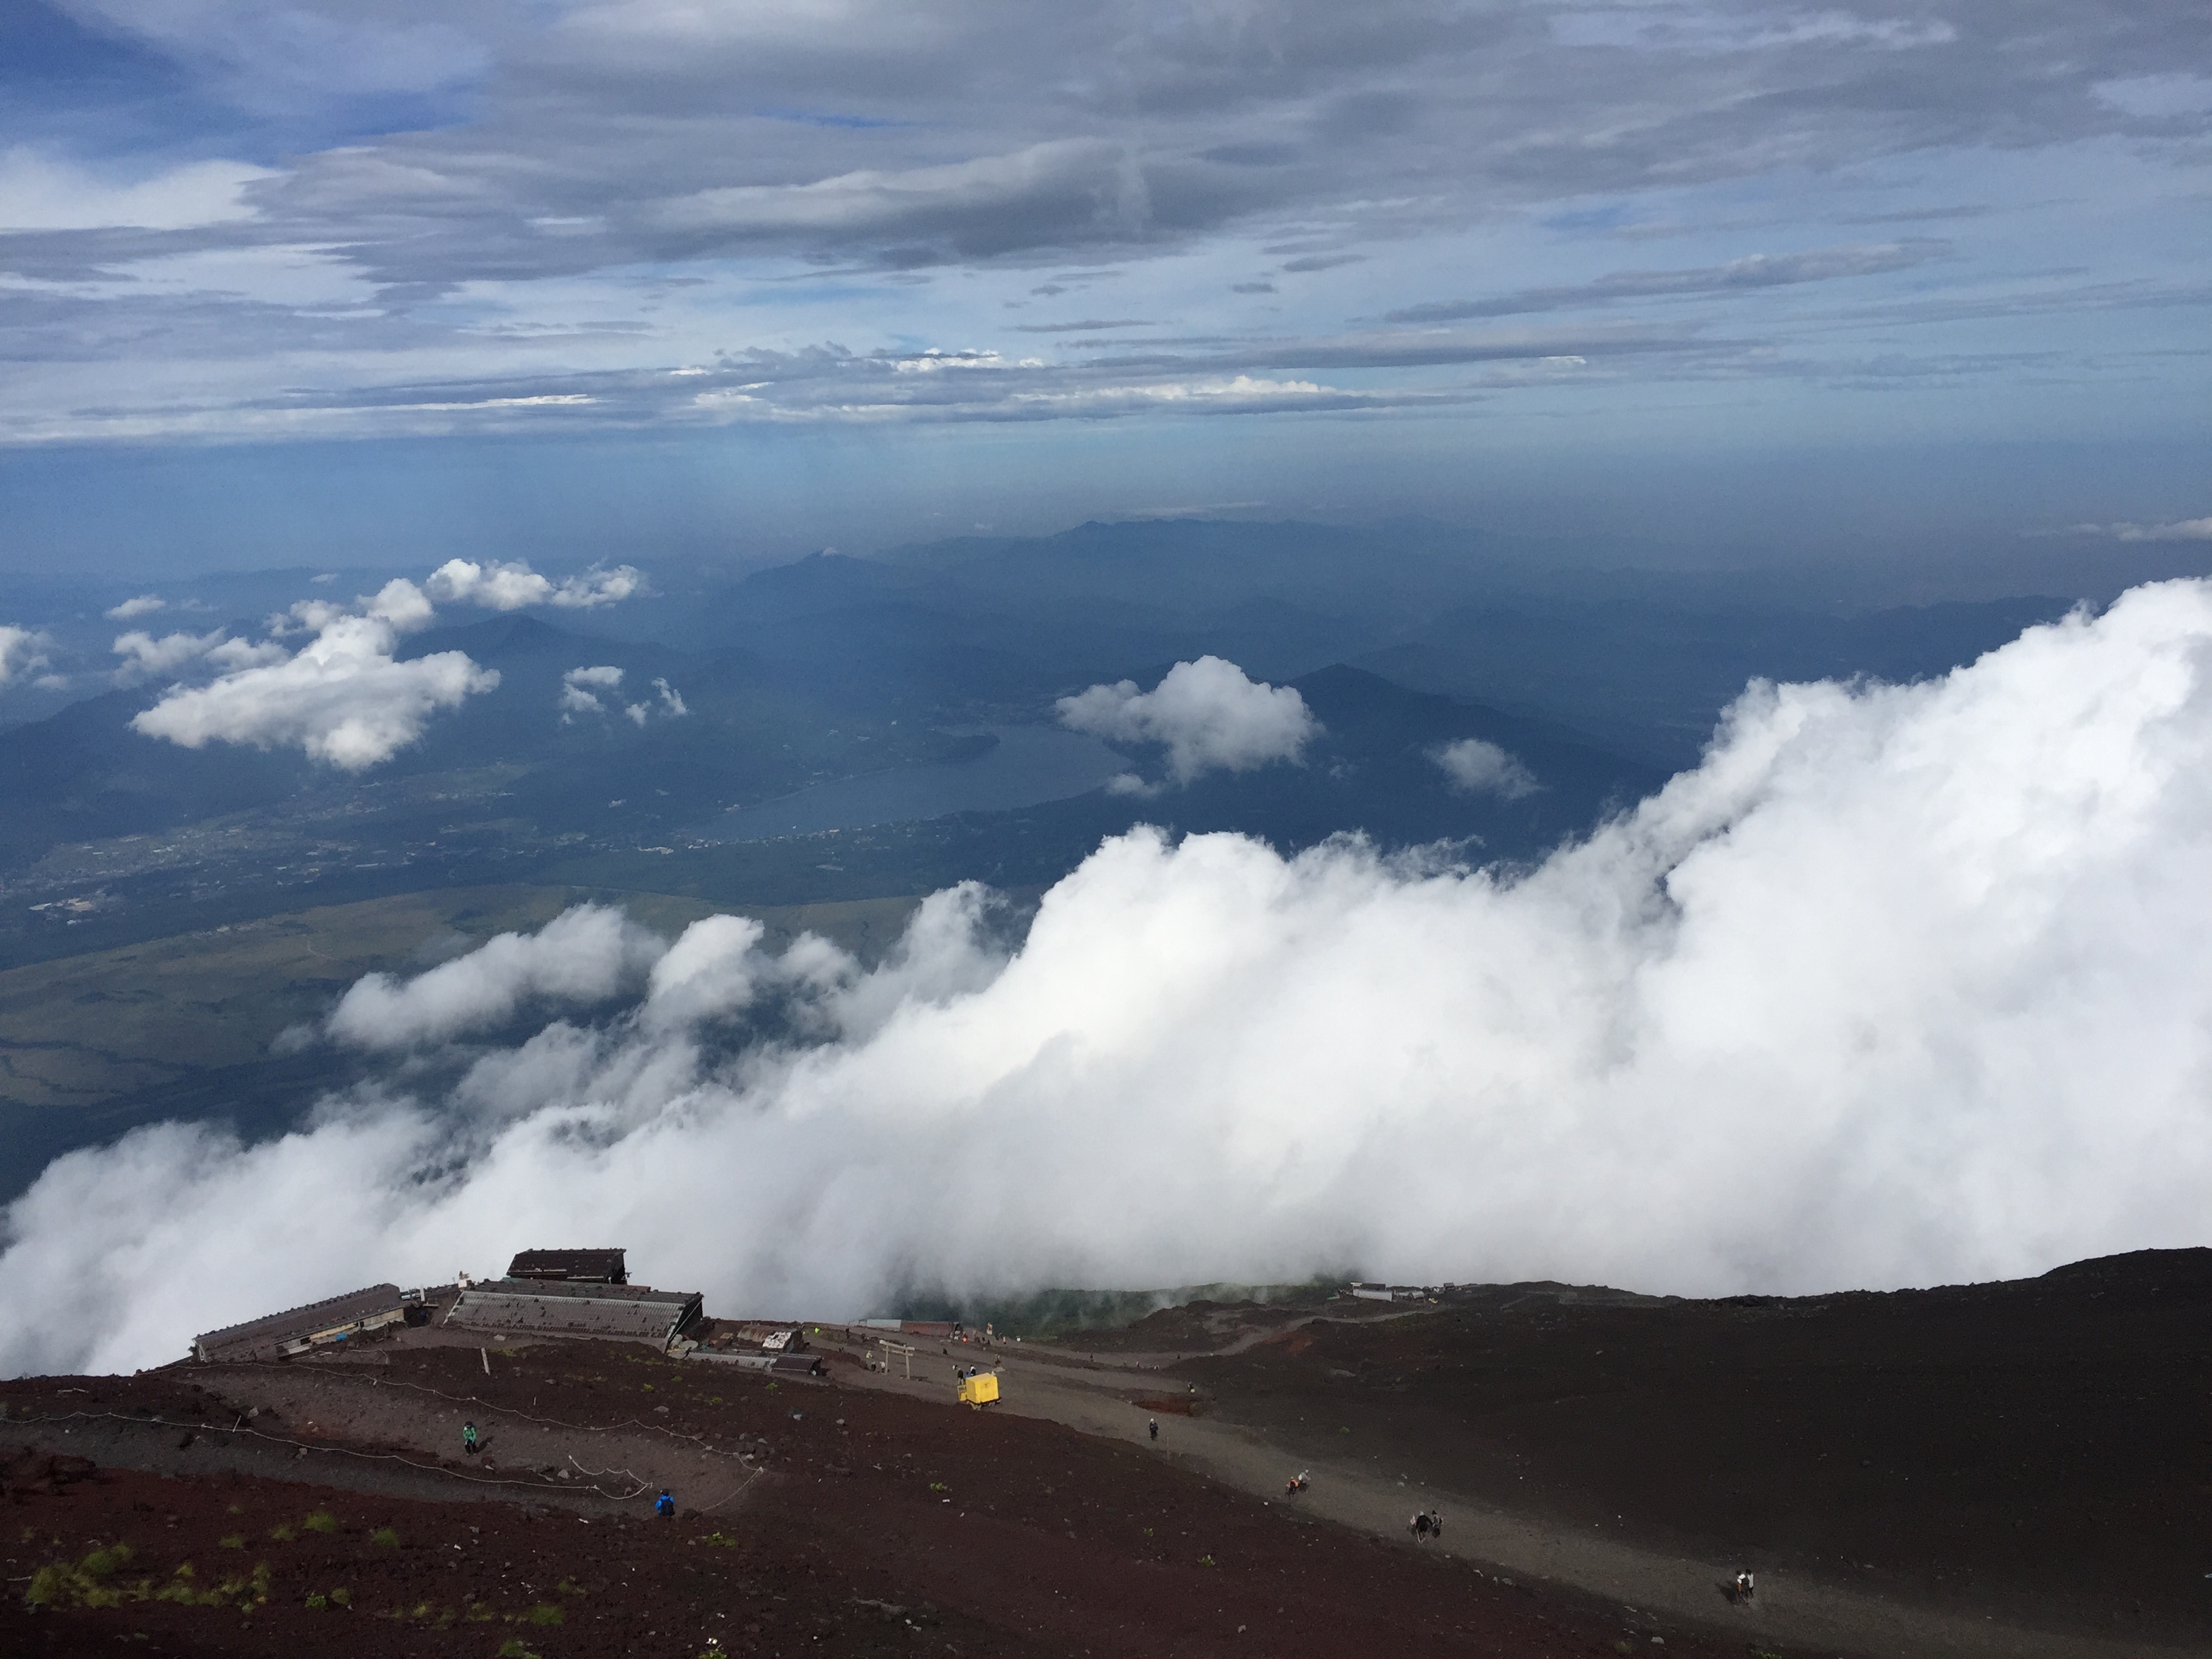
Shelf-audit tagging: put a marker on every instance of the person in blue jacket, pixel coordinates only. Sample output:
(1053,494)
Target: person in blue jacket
(665,1507)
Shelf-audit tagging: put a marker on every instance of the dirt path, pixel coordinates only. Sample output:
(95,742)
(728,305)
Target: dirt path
(1095,1396)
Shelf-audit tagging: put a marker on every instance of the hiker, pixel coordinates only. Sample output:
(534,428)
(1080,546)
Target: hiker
(469,1438)
(1297,1484)
(1152,1424)
(665,1507)
(1745,1590)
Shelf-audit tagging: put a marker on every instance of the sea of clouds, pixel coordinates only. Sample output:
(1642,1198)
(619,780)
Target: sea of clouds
(1902,985)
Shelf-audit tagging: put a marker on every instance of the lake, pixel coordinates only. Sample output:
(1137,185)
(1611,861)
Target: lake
(1030,765)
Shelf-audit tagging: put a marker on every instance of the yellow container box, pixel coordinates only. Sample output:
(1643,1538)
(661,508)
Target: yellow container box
(979,1390)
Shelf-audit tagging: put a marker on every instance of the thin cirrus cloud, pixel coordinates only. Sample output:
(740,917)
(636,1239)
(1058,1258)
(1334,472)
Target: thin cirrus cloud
(621,188)
(1752,272)
(1975,1048)
(2173,530)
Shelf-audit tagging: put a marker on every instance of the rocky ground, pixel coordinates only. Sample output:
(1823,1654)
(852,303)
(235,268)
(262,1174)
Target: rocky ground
(283,1510)
(1997,1470)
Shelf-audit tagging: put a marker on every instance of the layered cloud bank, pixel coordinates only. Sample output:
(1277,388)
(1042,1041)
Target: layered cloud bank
(1902,985)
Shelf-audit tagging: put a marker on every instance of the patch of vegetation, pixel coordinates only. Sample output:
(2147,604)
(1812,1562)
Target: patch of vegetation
(83,1584)
(385,1538)
(545,1612)
(321,1520)
(282,1533)
(231,1540)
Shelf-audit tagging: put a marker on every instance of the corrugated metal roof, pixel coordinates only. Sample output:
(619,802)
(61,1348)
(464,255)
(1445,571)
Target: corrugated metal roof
(270,1330)
(605,1266)
(556,1308)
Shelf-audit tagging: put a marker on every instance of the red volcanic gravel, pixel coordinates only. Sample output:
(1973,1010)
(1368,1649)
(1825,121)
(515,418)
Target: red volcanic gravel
(881,1525)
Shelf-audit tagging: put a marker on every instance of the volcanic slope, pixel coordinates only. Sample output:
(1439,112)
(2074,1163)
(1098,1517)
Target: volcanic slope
(2033,1452)
(815,1518)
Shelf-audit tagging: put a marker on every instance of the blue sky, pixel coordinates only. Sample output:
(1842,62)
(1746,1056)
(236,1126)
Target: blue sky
(748,277)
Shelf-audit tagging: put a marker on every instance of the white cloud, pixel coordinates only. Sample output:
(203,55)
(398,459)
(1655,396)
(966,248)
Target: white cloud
(583,955)
(1210,715)
(1478,767)
(715,967)
(44,192)
(144,605)
(344,699)
(670,706)
(579,688)
(512,587)
(1902,985)
(22,651)
(146,658)
(2173,530)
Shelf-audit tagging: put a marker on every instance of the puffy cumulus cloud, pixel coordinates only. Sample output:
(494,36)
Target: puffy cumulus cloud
(1902,985)
(666,703)
(1210,715)
(580,689)
(144,605)
(144,657)
(345,698)
(512,587)
(1483,768)
(583,955)
(23,650)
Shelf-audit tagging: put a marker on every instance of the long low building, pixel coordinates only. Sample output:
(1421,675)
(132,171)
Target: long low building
(280,1335)
(601,1266)
(558,1307)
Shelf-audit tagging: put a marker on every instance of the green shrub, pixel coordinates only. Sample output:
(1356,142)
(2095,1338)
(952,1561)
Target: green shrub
(546,1613)
(385,1538)
(231,1540)
(321,1520)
